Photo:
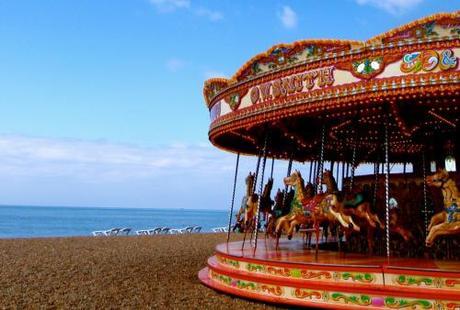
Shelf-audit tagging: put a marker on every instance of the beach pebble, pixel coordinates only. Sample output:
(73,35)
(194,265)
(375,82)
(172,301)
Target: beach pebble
(159,272)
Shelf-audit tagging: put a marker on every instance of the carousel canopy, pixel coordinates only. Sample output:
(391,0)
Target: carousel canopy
(406,80)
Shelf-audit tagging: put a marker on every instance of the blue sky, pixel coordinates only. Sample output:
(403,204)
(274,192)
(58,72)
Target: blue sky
(101,100)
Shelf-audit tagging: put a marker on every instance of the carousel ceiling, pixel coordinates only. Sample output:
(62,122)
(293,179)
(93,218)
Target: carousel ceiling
(405,82)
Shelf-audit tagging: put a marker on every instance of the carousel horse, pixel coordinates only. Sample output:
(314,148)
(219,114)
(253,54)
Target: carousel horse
(266,202)
(334,208)
(250,213)
(246,212)
(307,208)
(396,224)
(282,207)
(446,222)
(360,208)
(296,215)
(275,213)
(246,215)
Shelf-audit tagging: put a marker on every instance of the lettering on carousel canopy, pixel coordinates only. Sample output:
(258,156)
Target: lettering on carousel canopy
(429,60)
(292,84)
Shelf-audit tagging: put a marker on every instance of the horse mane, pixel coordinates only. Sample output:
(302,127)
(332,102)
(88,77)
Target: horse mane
(302,183)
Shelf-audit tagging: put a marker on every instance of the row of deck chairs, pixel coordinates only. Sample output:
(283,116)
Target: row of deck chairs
(167,230)
(112,232)
(219,229)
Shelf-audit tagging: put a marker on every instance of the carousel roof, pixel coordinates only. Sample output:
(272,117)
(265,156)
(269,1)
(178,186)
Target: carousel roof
(407,79)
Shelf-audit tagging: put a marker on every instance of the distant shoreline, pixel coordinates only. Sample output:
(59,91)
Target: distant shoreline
(53,221)
(114,208)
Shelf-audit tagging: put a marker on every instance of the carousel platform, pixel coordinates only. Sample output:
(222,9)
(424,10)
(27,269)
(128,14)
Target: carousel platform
(292,276)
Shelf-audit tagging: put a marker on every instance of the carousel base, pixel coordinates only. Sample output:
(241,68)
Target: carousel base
(292,276)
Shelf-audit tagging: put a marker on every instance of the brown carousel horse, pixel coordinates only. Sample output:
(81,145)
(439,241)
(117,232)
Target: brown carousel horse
(360,210)
(246,212)
(250,205)
(309,209)
(397,226)
(446,222)
(275,213)
(266,202)
(282,203)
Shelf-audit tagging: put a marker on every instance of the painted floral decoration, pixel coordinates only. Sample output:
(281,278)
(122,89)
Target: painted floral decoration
(368,68)
(426,30)
(233,101)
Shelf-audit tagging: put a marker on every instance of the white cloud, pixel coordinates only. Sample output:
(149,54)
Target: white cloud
(166,6)
(175,64)
(288,17)
(45,171)
(394,7)
(95,161)
(210,14)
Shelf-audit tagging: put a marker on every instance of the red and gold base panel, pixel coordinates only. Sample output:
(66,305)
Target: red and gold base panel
(293,275)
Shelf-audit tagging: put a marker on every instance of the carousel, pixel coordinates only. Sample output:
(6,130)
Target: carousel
(330,238)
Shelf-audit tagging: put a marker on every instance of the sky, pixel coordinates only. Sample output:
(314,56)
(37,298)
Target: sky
(101,100)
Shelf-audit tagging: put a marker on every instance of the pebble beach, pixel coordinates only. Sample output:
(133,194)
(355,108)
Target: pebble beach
(157,272)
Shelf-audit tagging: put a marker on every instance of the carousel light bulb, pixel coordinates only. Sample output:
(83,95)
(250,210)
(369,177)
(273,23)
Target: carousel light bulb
(450,163)
(432,166)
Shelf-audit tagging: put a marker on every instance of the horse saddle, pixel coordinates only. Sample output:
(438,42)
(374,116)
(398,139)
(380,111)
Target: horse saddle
(309,205)
(353,203)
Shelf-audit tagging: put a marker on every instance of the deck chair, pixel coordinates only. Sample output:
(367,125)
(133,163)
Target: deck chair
(99,233)
(113,232)
(125,231)
(154,231)
(164,230)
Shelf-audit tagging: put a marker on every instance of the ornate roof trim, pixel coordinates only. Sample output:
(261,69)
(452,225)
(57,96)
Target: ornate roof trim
(379,39)
(286,55)
(346,44)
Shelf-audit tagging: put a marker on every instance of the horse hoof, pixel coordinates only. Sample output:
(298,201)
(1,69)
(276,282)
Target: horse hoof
(289,237)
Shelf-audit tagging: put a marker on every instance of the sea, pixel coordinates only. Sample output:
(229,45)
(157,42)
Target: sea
(40,221)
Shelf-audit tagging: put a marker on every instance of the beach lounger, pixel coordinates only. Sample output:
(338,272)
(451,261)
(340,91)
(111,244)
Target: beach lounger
(154,231)
(186,230)
(219,229)
(112,232)
(164,230)
(175,231)
(99,233)
(125,231)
